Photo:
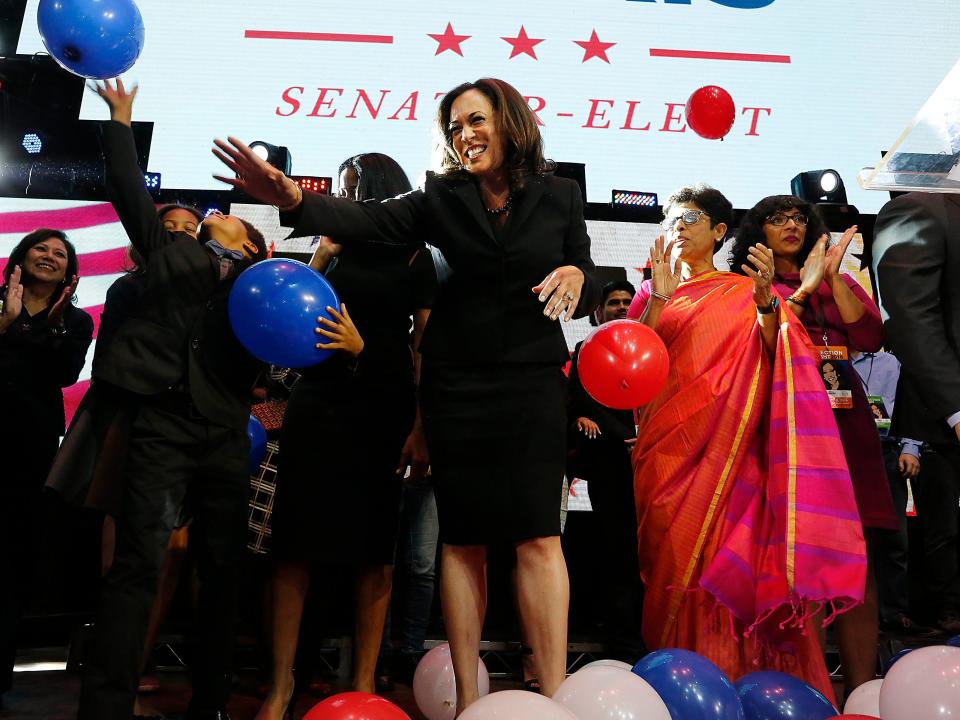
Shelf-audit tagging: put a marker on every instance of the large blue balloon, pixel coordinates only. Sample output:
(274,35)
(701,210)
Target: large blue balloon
(92,38)
(691,687)
(954,641)
(274,306)
(771,695)
(258,443)
(894,658)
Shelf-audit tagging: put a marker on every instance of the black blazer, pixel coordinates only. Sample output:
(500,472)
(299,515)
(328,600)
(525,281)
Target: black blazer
(179,332)
(916,260)
(485,311)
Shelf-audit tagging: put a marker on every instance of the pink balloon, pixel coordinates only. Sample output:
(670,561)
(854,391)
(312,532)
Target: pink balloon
(516,705)
(609,693)
(923,684)
(865,700)
(435,688)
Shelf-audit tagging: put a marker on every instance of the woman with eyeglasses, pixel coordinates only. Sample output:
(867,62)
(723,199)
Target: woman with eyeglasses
(743,531)
(839,316)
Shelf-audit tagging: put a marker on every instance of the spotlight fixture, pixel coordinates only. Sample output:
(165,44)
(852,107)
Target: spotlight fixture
(152,181)
(635,198)
(819,186)
(277,155)
(32,143)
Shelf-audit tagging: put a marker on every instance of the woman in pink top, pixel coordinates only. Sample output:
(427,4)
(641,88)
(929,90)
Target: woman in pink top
(840,317)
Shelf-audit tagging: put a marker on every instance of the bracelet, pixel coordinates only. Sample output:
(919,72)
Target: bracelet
(799,298)
(295,204)
(660,296)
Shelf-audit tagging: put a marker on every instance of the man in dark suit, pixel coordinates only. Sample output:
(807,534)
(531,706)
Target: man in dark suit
(916,259)
(178,363)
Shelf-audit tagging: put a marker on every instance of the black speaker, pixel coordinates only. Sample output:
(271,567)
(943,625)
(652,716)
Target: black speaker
(574,171)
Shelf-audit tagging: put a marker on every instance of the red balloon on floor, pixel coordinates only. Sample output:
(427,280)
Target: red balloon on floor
(623,364)
(355,706)
(711,112)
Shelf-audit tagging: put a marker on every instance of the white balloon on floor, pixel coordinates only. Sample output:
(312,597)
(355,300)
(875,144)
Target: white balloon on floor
(435,688)
(619,664)
(923,684)
(516,705)
(865,700)
(608,693)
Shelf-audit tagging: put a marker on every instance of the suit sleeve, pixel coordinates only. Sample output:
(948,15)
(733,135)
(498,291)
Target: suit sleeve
(909,254)
(397,221)
(576,249)
(127,191)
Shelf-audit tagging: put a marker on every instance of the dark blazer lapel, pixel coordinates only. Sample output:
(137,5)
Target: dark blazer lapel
(529,198)
(470,196)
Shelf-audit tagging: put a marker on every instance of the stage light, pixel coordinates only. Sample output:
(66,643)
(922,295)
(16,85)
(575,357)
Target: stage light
(635,198)
(313,183)
(32,143)
(152,181)
(277,155)
(819,186)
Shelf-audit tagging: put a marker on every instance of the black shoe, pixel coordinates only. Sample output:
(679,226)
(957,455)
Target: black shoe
(903,624)
(404,666)
(207,715)
(382,676)
(949,623)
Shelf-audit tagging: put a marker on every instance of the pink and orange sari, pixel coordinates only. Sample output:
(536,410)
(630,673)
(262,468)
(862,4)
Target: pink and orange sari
(747,524)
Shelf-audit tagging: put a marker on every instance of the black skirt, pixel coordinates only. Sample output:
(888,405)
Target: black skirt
(497,439)
(338,495)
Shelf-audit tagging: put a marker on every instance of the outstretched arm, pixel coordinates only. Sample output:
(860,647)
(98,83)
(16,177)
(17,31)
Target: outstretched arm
(125,185)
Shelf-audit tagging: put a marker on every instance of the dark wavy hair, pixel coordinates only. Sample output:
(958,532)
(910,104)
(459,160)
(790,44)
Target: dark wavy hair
(177,206)
(750,231)
(38,236)
(523,154)
(708,199)
(380,177)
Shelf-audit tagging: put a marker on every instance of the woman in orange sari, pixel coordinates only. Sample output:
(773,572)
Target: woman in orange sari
(747,524)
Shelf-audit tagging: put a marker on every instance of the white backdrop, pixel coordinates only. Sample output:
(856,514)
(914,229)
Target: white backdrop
(817,83)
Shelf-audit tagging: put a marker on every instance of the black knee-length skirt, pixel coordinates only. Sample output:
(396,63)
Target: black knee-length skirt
(497,439)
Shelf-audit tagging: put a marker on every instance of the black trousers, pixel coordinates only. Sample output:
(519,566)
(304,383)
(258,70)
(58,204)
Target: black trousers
(28,460)
(892,549)
(937,493)
(172,453)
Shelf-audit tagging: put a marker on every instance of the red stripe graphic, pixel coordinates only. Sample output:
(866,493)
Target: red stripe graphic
(709,55)
(105,262)
(71,398)
(322,37)
(64,219)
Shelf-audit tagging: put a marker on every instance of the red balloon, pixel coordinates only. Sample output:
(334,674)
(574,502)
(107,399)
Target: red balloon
(711,112)
(623,364)
(355,706)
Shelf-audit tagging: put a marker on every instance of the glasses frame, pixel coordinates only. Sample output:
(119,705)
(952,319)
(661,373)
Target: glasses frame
(796,219)
(689,217)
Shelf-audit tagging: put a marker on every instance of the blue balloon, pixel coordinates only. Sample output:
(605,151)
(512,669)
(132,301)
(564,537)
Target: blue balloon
(954,641)
(893,659)
(771,695)
(273,308)
(691,687)
(92,38)
(258,443)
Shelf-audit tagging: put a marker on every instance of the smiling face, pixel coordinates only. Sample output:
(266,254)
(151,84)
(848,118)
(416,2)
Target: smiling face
(615,306)
(46,262)
(475,134)
(694,241)
(785,240)
(830,375)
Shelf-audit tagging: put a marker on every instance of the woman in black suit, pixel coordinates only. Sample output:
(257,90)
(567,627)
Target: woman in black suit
(43,345)
(492,391)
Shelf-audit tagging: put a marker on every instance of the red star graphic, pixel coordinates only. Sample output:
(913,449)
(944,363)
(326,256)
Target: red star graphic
(449,40)
(523,44)
(594,48)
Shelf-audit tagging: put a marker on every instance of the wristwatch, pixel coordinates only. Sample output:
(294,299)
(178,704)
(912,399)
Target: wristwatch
(772,307)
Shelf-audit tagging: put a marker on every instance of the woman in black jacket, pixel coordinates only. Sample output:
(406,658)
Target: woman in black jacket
(43,345)
(492,390)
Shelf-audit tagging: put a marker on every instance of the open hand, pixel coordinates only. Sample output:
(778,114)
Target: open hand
(560,291)
(55,316)
(254,175)
(118,98)
(588,427)
(664,274)
(761,257)
(343,334)
(834,255)
(13,303)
